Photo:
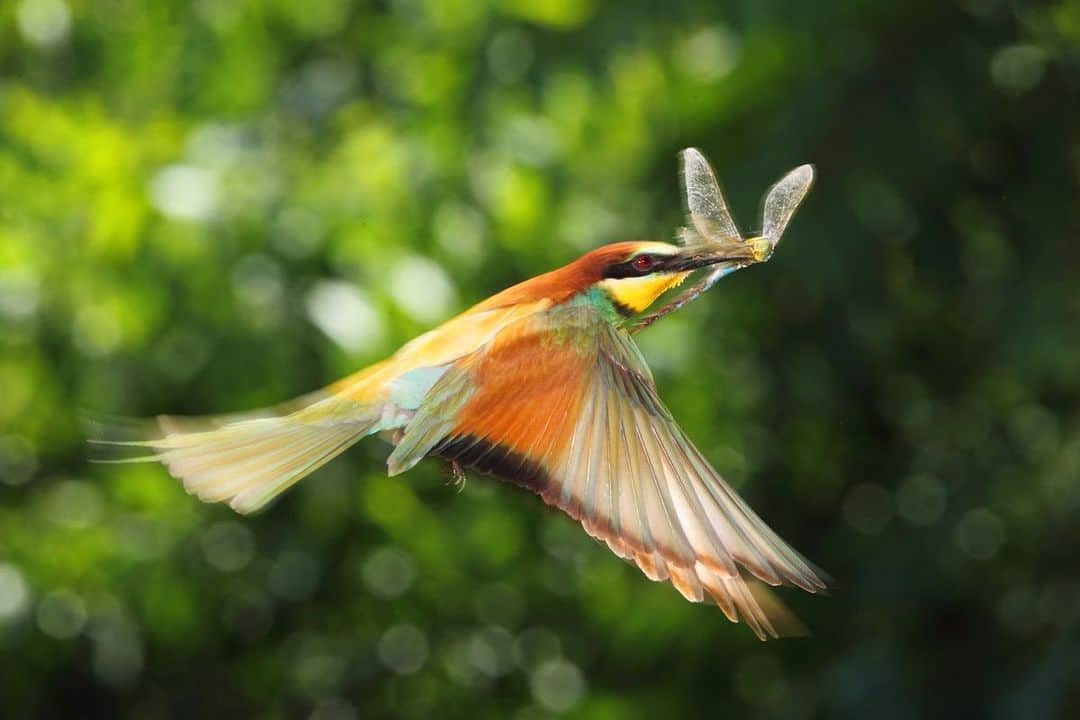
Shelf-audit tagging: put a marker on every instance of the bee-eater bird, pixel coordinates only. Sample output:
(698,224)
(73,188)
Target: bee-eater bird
(542,385)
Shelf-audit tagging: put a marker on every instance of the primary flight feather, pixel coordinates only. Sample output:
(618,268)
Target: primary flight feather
(543,385)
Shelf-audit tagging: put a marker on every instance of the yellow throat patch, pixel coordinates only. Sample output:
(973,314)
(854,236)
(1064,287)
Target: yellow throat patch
(638,293)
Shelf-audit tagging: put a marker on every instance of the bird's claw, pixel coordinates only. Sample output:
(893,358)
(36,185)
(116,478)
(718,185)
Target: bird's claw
(457,476)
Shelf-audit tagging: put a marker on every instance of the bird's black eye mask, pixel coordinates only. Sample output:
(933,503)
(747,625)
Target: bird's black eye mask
(649,263)
(638,266)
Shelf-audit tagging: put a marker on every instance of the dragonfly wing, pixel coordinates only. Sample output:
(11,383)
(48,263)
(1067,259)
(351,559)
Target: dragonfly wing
(706,209)
(783,199)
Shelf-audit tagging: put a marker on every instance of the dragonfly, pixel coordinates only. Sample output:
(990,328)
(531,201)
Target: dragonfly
(709,223)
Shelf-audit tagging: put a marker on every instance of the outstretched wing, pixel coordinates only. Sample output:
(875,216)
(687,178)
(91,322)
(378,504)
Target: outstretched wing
(563,403)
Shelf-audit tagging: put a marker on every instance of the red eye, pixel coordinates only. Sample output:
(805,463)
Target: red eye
(644,262)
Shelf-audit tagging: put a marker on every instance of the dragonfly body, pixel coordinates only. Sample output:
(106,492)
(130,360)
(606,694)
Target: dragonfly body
(542,385)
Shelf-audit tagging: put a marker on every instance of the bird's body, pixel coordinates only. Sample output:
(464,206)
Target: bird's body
(542,385)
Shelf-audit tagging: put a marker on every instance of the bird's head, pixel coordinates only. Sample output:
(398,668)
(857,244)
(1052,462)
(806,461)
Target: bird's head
(634,274)
(631,275)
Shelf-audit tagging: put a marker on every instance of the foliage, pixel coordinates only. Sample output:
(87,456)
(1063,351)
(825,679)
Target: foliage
(216,205)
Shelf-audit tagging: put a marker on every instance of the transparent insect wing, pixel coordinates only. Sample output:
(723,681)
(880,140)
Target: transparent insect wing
(783,199)
(705,206)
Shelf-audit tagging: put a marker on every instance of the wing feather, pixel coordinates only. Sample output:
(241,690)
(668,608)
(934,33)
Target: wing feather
(563,403)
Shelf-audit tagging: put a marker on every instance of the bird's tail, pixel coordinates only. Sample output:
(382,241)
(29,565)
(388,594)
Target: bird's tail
(246,460)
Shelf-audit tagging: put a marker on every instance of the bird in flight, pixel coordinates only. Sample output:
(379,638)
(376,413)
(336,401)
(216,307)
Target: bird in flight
(543,385)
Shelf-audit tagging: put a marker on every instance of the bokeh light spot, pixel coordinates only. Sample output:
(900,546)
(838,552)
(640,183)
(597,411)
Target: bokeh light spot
(342,311)
(97,330)
(980,533)
(708,53)
(18,460)
(422,288)
(389,572)
(298,233)
(61,614)
(459,230)
(535,646)
(20,293)
(258,280)
(45,23)
(557,685)
(403,649)
(74,504)
(868,508)
(510,55)
(185,192)
(921,499)
(491,651)
(117,652)
(318,671)
(228,546)
(1018,68)
(14,592)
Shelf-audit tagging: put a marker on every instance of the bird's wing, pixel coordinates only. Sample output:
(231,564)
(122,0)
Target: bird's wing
(563,403)
(458,337)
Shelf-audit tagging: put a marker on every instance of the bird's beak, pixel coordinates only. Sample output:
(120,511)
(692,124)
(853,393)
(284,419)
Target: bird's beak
(738,251)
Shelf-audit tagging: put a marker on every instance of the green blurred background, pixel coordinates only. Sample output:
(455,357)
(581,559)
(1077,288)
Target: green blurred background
(216,205)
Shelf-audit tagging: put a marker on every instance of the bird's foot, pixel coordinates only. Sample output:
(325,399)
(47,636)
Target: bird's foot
(457,476)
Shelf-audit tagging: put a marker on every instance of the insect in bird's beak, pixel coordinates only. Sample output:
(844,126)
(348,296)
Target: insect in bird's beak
(711,239)
(741,252)
(709,225)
